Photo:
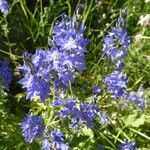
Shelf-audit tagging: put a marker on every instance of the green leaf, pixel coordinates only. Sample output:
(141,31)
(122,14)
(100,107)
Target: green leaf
(138,122)
(88,132)
(134,120)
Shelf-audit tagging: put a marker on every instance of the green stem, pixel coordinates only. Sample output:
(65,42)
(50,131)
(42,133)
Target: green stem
(141,134)
(70,87)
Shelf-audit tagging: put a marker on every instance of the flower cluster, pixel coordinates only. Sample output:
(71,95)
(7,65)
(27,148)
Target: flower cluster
(5,74)
(4,6)
(69,48)
(36,74)
(32,127)
(128,146)
(116,83)
(136,99)
(80,113)
(58,64)
(116,44)
(57,141)
(63,68)
(68,35)
(88,112)
(56,67)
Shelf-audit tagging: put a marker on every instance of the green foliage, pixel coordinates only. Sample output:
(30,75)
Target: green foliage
(11,113)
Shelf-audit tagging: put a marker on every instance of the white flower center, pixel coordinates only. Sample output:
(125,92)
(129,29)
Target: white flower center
(71,43)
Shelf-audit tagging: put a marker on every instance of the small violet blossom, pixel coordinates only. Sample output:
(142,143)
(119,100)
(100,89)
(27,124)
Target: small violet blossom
(136,99)
(32,127)
(128,146)
(46,145)
(56,142)
(4,6)
(96,89)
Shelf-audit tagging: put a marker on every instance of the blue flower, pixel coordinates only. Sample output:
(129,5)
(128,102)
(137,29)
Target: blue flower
(35,86)
(96,89)
(128,146)
(57,136)
(136,99)
(116,84)
(62,146)
(54,140)
(5,74)
(43,63)
(59,99)
(88,112)
(75,123)
(119,65)
(69,109)
(46,145)
(32,127)
(63,68)
(4,6)
(58,140)
(104,118)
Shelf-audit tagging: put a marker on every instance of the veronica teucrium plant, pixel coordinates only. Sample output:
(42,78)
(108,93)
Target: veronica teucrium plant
(48,75)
